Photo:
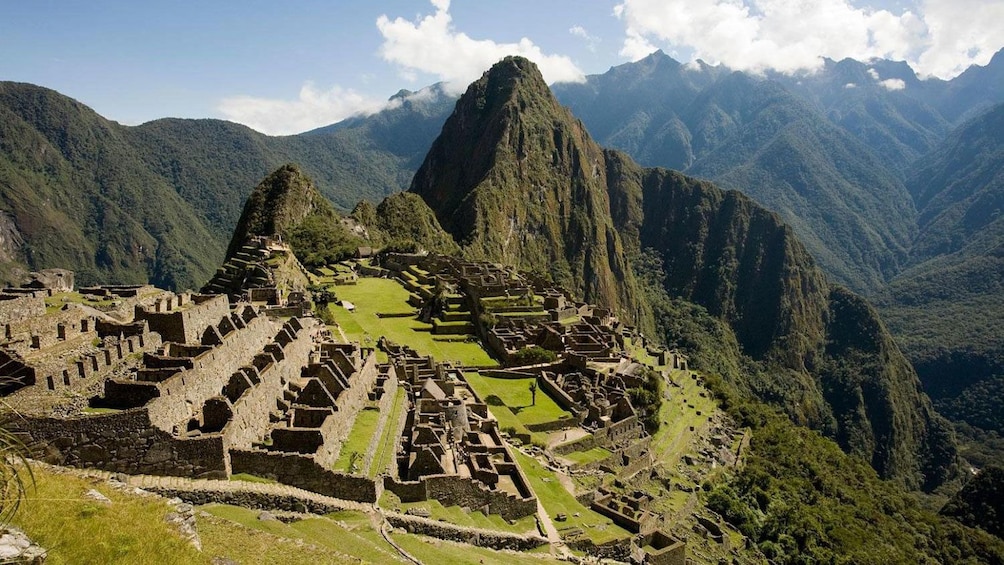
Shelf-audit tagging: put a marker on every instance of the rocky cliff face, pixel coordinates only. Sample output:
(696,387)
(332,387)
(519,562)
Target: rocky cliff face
(515,178)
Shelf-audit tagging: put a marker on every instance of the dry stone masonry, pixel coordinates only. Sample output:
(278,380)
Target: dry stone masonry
(241,379)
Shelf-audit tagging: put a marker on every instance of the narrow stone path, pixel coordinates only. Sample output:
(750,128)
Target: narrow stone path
(382,525)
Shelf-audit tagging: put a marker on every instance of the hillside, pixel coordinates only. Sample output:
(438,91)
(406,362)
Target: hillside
(948,305)
(76,194)
(157,202)
(757,136)
(512,166)
(980,503)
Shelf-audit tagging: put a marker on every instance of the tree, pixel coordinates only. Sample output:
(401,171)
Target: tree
(533,393)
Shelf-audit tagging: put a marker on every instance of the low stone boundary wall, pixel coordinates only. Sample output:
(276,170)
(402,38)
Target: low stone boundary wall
(619,550)
(473,536)
(452,490)
(302,471)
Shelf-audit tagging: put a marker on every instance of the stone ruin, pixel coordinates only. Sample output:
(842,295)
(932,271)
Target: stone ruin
(214,384)
(451,450)
(247,276)
(214,389)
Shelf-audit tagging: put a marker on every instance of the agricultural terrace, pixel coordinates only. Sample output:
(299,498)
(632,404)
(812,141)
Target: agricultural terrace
(557,500)
(373,296)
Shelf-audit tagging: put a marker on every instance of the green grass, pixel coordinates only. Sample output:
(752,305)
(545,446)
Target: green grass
(372,296)
(474,519)
(55,302)
(340,543)
(249,545)
(75,529)
(92,410)
(387,448)
(515,394)
(439,552)
(557,500)
(358,440)
(674,435)
(589,456)
(248,478)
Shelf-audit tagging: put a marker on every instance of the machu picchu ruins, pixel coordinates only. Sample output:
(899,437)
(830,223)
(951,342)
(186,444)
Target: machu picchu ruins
(265,373)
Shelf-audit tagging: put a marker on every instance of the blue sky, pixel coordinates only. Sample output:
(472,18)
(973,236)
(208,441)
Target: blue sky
(290,66)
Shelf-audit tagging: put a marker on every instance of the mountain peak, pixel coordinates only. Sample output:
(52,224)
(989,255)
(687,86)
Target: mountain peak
(515,178)
(280,202)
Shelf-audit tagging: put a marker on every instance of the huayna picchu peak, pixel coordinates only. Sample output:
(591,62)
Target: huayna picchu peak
(514,177)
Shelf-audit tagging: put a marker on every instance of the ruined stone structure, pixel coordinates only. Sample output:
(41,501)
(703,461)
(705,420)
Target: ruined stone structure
(451,449)
(242,380)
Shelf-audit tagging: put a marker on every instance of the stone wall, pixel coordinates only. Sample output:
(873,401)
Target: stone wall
(97,364)
(663,549)
(349,403)
(271,500)
(385,405)
(302,471)
(45,330)
(250,412)
(15,308)
(124,442)
(454,490)
(473,536)
(619,550)
(182,396)
(177,320)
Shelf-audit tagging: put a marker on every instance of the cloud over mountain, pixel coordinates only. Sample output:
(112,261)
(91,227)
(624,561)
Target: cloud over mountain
(794,35)
(433,45)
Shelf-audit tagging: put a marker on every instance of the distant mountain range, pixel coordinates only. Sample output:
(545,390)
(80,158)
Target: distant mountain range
(888,180)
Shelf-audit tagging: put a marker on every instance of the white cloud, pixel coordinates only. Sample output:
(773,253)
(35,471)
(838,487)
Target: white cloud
(850,85)
(794,35)
(313,108)
(962,33)
(889,83)
(432,45)
(592,42)
(893,84)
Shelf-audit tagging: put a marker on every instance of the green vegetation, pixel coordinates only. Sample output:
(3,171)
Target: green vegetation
(514,395)
(403,222)
(440,552)
(533,355)
(980,503)
(76,529)
(647,400)
(387,447)
(159,201)
(250,478)
(355,446)
(801,499)
(557,500)
(337,543)
(589,456)
(338,538)
(372,296)
(80,195)
(457,515)
(505,179)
